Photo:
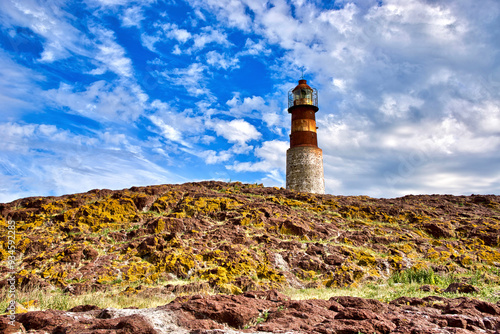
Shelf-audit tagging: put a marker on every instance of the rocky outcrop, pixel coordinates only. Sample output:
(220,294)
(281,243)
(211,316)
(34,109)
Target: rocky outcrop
(238,239)
(272,312)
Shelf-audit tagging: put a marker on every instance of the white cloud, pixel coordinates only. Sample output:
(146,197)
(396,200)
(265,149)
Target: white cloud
(271,157)
(108,3)
(181,35)
(273,153)
(60,38)
(342,20)
(340,84)
(52,176)
(274,178)
(177,50)
(111,55)
(341,136)
(40,159)
(480,117)
(205,139)
(132,17)
(209,35)
(100,101)
(167,131)
(192,78)
(456,183)
(247,106)
(488,117)
(223,61)
(236,131)
(188,42)
(13,136)
(437,23)
(255,49)
(417,175)
(231,12)
(212,157)
(19,91)
(149,41)
(184,120)
(256,107)
(456,137)
(182,127)
(399,105)
(173,31)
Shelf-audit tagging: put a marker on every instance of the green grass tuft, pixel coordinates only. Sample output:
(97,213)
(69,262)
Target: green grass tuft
(422,276)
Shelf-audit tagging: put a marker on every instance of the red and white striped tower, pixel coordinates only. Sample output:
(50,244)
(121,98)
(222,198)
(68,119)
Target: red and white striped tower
(304,159)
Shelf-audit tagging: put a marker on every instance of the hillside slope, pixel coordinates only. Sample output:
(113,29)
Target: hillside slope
(238,237)
(198,239)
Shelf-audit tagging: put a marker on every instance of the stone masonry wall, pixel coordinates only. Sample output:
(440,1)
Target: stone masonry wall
(304,169)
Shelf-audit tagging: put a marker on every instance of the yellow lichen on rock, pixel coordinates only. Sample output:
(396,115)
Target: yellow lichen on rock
(365,259)
(108,213)
(190,206)
(166,201)
(251,218)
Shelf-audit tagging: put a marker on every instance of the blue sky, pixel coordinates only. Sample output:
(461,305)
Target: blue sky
(119,93)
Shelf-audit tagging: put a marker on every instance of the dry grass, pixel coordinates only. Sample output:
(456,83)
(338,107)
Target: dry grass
(387,292)
(56,299)
(403,284)
(406,285)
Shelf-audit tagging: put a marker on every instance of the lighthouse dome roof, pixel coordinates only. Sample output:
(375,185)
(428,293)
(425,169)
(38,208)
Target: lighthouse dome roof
(302,85)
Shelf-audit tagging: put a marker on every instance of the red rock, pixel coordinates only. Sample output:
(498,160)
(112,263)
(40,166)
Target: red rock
(46,320)
(135,324)
(84,308)
(356,314)
(360,303)
(209,314)
(438,230)
(456,322)
(223,310)
(7,326)
(461,287)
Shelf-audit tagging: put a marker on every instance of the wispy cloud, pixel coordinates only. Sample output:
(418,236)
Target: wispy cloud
(60,38)
(100,101)
(231,12)
(192,78)
(111,56)
(18,88)
(221,61)
(36,158)
(132,17)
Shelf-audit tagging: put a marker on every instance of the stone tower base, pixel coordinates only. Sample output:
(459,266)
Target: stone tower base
(304,169)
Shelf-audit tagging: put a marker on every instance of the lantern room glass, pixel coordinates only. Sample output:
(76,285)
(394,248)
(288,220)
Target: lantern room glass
(302,96)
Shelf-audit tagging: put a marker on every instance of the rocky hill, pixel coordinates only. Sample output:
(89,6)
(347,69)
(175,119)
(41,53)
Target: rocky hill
(249,242)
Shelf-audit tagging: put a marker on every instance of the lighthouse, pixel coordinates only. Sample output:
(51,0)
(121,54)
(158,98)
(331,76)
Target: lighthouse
(304,159)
